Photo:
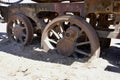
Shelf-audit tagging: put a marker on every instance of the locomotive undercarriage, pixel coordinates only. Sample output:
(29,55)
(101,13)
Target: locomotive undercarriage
(69,28)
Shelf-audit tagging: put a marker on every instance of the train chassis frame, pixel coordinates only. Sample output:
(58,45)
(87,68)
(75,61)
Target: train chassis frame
(77,33)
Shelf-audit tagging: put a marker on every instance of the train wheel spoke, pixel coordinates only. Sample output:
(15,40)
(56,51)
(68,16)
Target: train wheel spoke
(83,43)
(56,34)
(82,52)
(53,41)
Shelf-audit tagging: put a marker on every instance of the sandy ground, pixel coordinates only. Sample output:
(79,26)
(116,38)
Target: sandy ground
(32,63)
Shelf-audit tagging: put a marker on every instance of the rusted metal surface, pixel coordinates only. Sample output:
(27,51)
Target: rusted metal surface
(79,39)
(94,6)
(46,10)
(116,6)
(20,29)
(60,8)
(102,6)
(71,35)
(103,14)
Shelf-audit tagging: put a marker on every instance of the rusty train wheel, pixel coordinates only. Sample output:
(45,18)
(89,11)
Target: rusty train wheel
(19,29)
(71,36)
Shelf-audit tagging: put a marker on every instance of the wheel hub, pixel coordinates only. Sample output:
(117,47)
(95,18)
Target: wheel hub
(66,45)
(17,31)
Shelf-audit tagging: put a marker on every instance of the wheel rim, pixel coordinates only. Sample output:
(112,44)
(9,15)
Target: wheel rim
(19,29)
(83,45)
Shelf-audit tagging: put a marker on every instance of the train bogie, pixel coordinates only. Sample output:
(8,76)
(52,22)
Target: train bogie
(76,28)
